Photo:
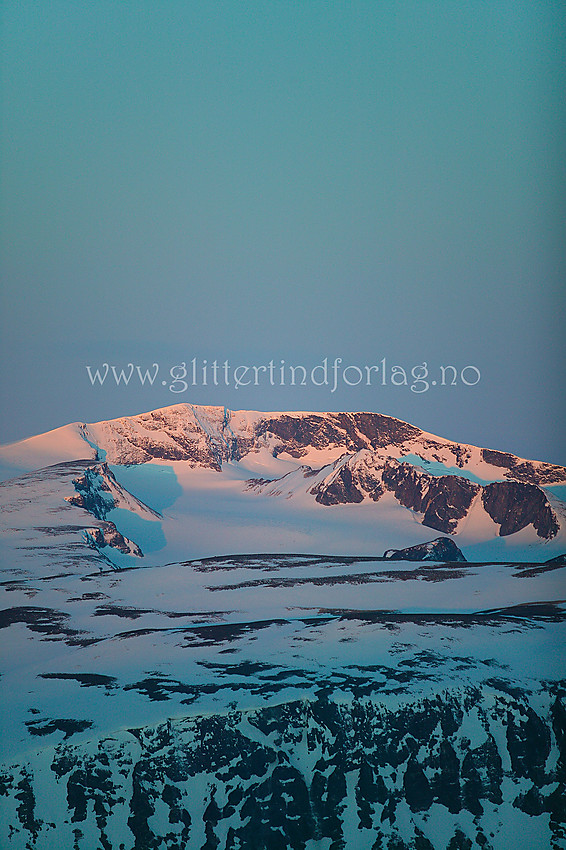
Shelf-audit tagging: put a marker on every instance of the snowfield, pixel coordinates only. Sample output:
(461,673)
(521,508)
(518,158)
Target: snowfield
(239,481)
(203,646)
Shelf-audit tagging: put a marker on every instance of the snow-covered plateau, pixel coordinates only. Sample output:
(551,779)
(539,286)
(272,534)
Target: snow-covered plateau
(233,629)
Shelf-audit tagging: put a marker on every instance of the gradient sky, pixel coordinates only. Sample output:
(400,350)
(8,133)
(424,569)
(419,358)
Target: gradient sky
(277,179)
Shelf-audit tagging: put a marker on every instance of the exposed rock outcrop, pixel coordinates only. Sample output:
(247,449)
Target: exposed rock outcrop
(93,491)
(441,549)
(518,469)
(514,505)
(350,431)
(108,535)
(98,492)
(349,482)
(342,490)
(350,458)
(443,500)
(439,774)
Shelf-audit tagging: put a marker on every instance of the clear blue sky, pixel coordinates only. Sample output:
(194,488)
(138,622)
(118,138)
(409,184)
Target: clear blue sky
(277,179)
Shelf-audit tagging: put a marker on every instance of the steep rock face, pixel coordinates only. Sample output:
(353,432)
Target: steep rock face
(352,431)
(350,481)
(443,500)
(441,549)
(514,505)
(108,535)
(341,490)
(209,436)
(175,433)
(98,492)
(343,774)
(93,491)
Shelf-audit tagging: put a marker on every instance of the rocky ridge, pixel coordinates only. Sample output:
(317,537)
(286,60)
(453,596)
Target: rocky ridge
(462,770)
(210,436)
(442,500)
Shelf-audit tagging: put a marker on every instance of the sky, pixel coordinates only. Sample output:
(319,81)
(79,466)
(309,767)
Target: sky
(254,182)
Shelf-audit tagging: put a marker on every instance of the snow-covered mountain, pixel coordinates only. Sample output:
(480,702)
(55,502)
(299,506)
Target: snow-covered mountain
(188,481)
(165,685)
(210,436)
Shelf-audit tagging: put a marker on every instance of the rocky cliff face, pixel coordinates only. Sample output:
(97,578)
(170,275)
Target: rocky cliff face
(443,500)
(108,535)
(314,459)
(513,506)
(350,480)
(98,492)
(466,769)
(366,451)
(176,433)
(296,434)
(362,456)
(523,470)
(210,436)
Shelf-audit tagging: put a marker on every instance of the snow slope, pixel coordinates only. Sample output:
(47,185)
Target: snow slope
(244,481)
(125,693)
(62,444)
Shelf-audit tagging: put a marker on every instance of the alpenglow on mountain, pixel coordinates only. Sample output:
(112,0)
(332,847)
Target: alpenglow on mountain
(186,481)
(279,631)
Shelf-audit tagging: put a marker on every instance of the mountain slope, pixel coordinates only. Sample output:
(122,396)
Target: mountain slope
(206,699)
(359,483)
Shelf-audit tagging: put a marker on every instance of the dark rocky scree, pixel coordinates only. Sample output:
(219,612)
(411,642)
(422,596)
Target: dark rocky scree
(275,778)
(441,549)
